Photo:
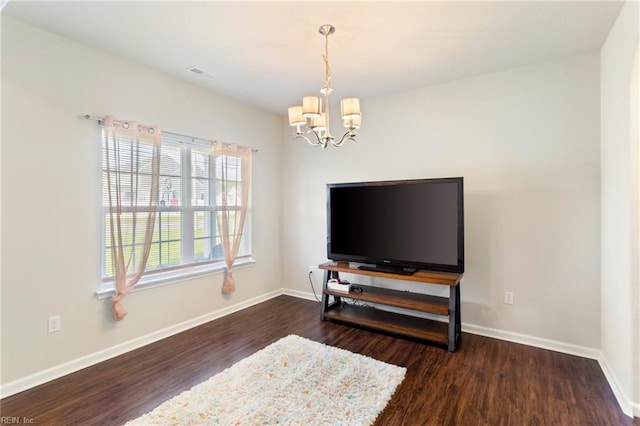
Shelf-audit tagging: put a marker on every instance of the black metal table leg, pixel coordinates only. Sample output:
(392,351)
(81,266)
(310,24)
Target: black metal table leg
(325,296)
(454,316)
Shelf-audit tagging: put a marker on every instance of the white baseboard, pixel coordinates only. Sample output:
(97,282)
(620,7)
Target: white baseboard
(72,366)
(300,294)
(538,342)
(628,407)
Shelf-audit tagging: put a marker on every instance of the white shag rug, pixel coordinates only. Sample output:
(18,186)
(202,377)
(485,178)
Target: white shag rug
(294,381)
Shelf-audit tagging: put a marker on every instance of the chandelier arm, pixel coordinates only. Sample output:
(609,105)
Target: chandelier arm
(301,136)
(322,140)
(349,135)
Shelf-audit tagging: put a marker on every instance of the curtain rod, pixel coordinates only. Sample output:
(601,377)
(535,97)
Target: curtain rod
(180,135)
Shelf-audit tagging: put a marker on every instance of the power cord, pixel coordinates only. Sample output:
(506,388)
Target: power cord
(357,289)
(356,302)
(313,289)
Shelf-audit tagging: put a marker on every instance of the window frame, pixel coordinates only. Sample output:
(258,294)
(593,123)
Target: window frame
(189,268)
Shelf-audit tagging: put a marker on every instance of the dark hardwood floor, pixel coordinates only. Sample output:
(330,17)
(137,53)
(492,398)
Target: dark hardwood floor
(485,382)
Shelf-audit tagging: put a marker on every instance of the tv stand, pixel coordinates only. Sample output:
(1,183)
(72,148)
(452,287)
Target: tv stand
(442,332)
(389,269)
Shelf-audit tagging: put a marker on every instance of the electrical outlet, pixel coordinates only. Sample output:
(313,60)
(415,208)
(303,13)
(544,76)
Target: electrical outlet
(508,298)
(311,269)
(55,324)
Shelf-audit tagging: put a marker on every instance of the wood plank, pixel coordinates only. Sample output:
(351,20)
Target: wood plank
(485,382)
(421,276)
(401,299)
(404,325)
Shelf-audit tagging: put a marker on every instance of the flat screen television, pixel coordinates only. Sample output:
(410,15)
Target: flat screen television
(397,226)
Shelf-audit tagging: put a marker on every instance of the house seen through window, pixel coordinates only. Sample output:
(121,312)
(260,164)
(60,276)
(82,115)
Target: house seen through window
(185,230)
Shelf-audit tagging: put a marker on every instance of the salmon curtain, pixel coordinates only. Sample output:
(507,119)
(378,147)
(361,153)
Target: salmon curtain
(132,162)
(232,185)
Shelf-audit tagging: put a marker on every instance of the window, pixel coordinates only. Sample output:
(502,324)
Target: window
(185,239)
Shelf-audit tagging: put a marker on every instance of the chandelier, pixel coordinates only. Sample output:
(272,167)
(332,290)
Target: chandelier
(316,121)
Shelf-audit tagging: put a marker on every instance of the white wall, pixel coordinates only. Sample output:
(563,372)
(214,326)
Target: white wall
(526,141)
(619,170)
(51,197)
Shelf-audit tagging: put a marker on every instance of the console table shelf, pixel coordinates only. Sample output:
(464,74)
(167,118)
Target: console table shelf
(391,322)
(441,332)
(400,299)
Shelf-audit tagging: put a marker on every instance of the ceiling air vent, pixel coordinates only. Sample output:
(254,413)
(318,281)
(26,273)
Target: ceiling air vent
(200,72)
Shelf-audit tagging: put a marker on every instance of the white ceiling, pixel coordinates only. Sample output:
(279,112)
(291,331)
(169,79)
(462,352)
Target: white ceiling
(269,54)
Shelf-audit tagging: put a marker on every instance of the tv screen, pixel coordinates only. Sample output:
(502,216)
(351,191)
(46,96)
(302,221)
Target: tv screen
(397,226)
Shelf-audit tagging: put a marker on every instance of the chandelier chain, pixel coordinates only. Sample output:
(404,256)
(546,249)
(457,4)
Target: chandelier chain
(325,57)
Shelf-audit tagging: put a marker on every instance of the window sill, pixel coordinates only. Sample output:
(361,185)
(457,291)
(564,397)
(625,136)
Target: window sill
(173,277)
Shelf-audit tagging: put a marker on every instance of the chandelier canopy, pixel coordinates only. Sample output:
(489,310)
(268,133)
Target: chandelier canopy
(316,120)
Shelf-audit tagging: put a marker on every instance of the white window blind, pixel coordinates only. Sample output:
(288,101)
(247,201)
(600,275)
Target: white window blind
(185,237)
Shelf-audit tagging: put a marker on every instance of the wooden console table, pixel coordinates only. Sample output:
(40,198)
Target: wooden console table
(446,333)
